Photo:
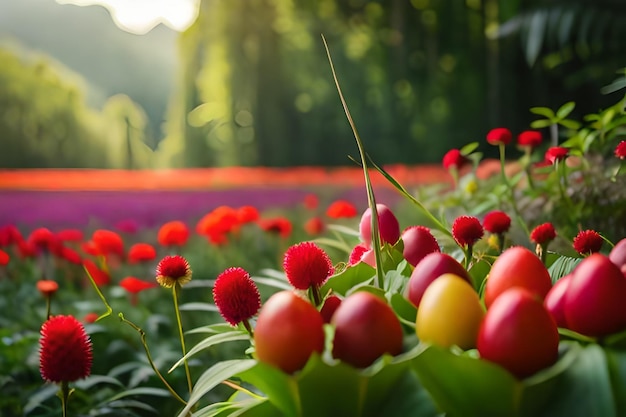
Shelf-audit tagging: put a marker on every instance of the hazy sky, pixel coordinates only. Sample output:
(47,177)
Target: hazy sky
(140,16)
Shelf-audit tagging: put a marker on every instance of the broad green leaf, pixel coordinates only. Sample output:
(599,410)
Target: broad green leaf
(464,386)
(565,110)
(212,328)
(197,306)
(584,387)
(408,398)
(616,360)
(157,392)
(403,308)
(213,340)
(213,376)
(570,124)
(478,272)
(547,112)
(280,284)
(342,282)
(536,34)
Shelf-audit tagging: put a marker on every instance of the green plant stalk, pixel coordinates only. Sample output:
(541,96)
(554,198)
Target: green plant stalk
(554,134)
(368,184)
(142,334)
(104,300)
(48,306)
(511,192)
(64,394)
(181,335)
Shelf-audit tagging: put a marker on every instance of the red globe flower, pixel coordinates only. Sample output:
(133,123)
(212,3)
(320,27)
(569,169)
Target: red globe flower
(620,150)
(70,235)
(10,235)
(341,209)
(307,265)
(43,239)
(173,270)
(587,242)
(65,350)
(556,153)
(543,233)
(467,230)
(134,286)
(529,139)
(311,201)
(497,222)
(99,276)
(236,295)
(454,158)
(174,233)
(47,287)
(141,252)
(279,225)
(221,220)
(247,214)
(4,258)
(499,136)
(108,242)
(314,226)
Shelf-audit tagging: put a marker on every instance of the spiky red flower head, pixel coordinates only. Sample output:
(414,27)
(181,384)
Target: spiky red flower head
(497,222)
(357,253)
(499,135)
(65,350)
(314,226)
(4,258)
(99,276)
(174,233)
(311,201)
(221,220)
(135,285)
(236,295)
(341,209)
(47,287)
(454,158)
(108,242)
(70,255)
(587,242)
(467,230)
(141,252)
(620,150)
(556,153)
(10,235)
(307,265)
(43,239)
(529,139)
(279,225)
(543,233)
(172,270)
(247,214)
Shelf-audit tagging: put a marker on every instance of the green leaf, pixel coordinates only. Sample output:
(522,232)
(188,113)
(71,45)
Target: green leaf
(403,308)
(280,284)
(562,266)
(469,148)
(536,33)
(478,272)
(198,306)
(565,110)
(213,376)
(539,124)
(584,387)
(570,124)
(342,282)
(157,392)
(616,360)
(543,111)
(212,341)
(464,386)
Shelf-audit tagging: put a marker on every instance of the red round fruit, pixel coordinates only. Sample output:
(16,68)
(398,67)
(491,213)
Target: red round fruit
(418,242)
(517,266)
(555,300)
(365,328)
(594,302)
(519,334)
(618,253)
(388,226)
(431,267)
(288,331)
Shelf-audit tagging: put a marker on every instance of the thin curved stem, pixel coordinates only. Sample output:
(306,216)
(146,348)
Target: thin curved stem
(182,337)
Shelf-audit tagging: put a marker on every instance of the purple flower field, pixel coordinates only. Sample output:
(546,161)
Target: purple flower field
(150,208)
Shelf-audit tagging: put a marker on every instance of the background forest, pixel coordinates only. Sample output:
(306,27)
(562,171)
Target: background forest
(248,83)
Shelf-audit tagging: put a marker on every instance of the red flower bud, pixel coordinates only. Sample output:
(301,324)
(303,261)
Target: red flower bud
(307,265)
(499,135)
(467,230)
(65,350)
(587,242)
(236,295)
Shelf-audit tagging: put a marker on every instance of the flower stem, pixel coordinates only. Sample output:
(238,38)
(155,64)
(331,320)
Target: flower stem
(64,393)
(142,334)
(182,337)
(48,306)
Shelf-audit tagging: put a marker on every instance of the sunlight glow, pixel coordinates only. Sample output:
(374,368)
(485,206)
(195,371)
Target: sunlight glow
(141,16)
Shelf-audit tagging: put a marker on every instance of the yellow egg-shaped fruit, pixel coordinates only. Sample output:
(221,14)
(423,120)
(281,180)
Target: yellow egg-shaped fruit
(450,313)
